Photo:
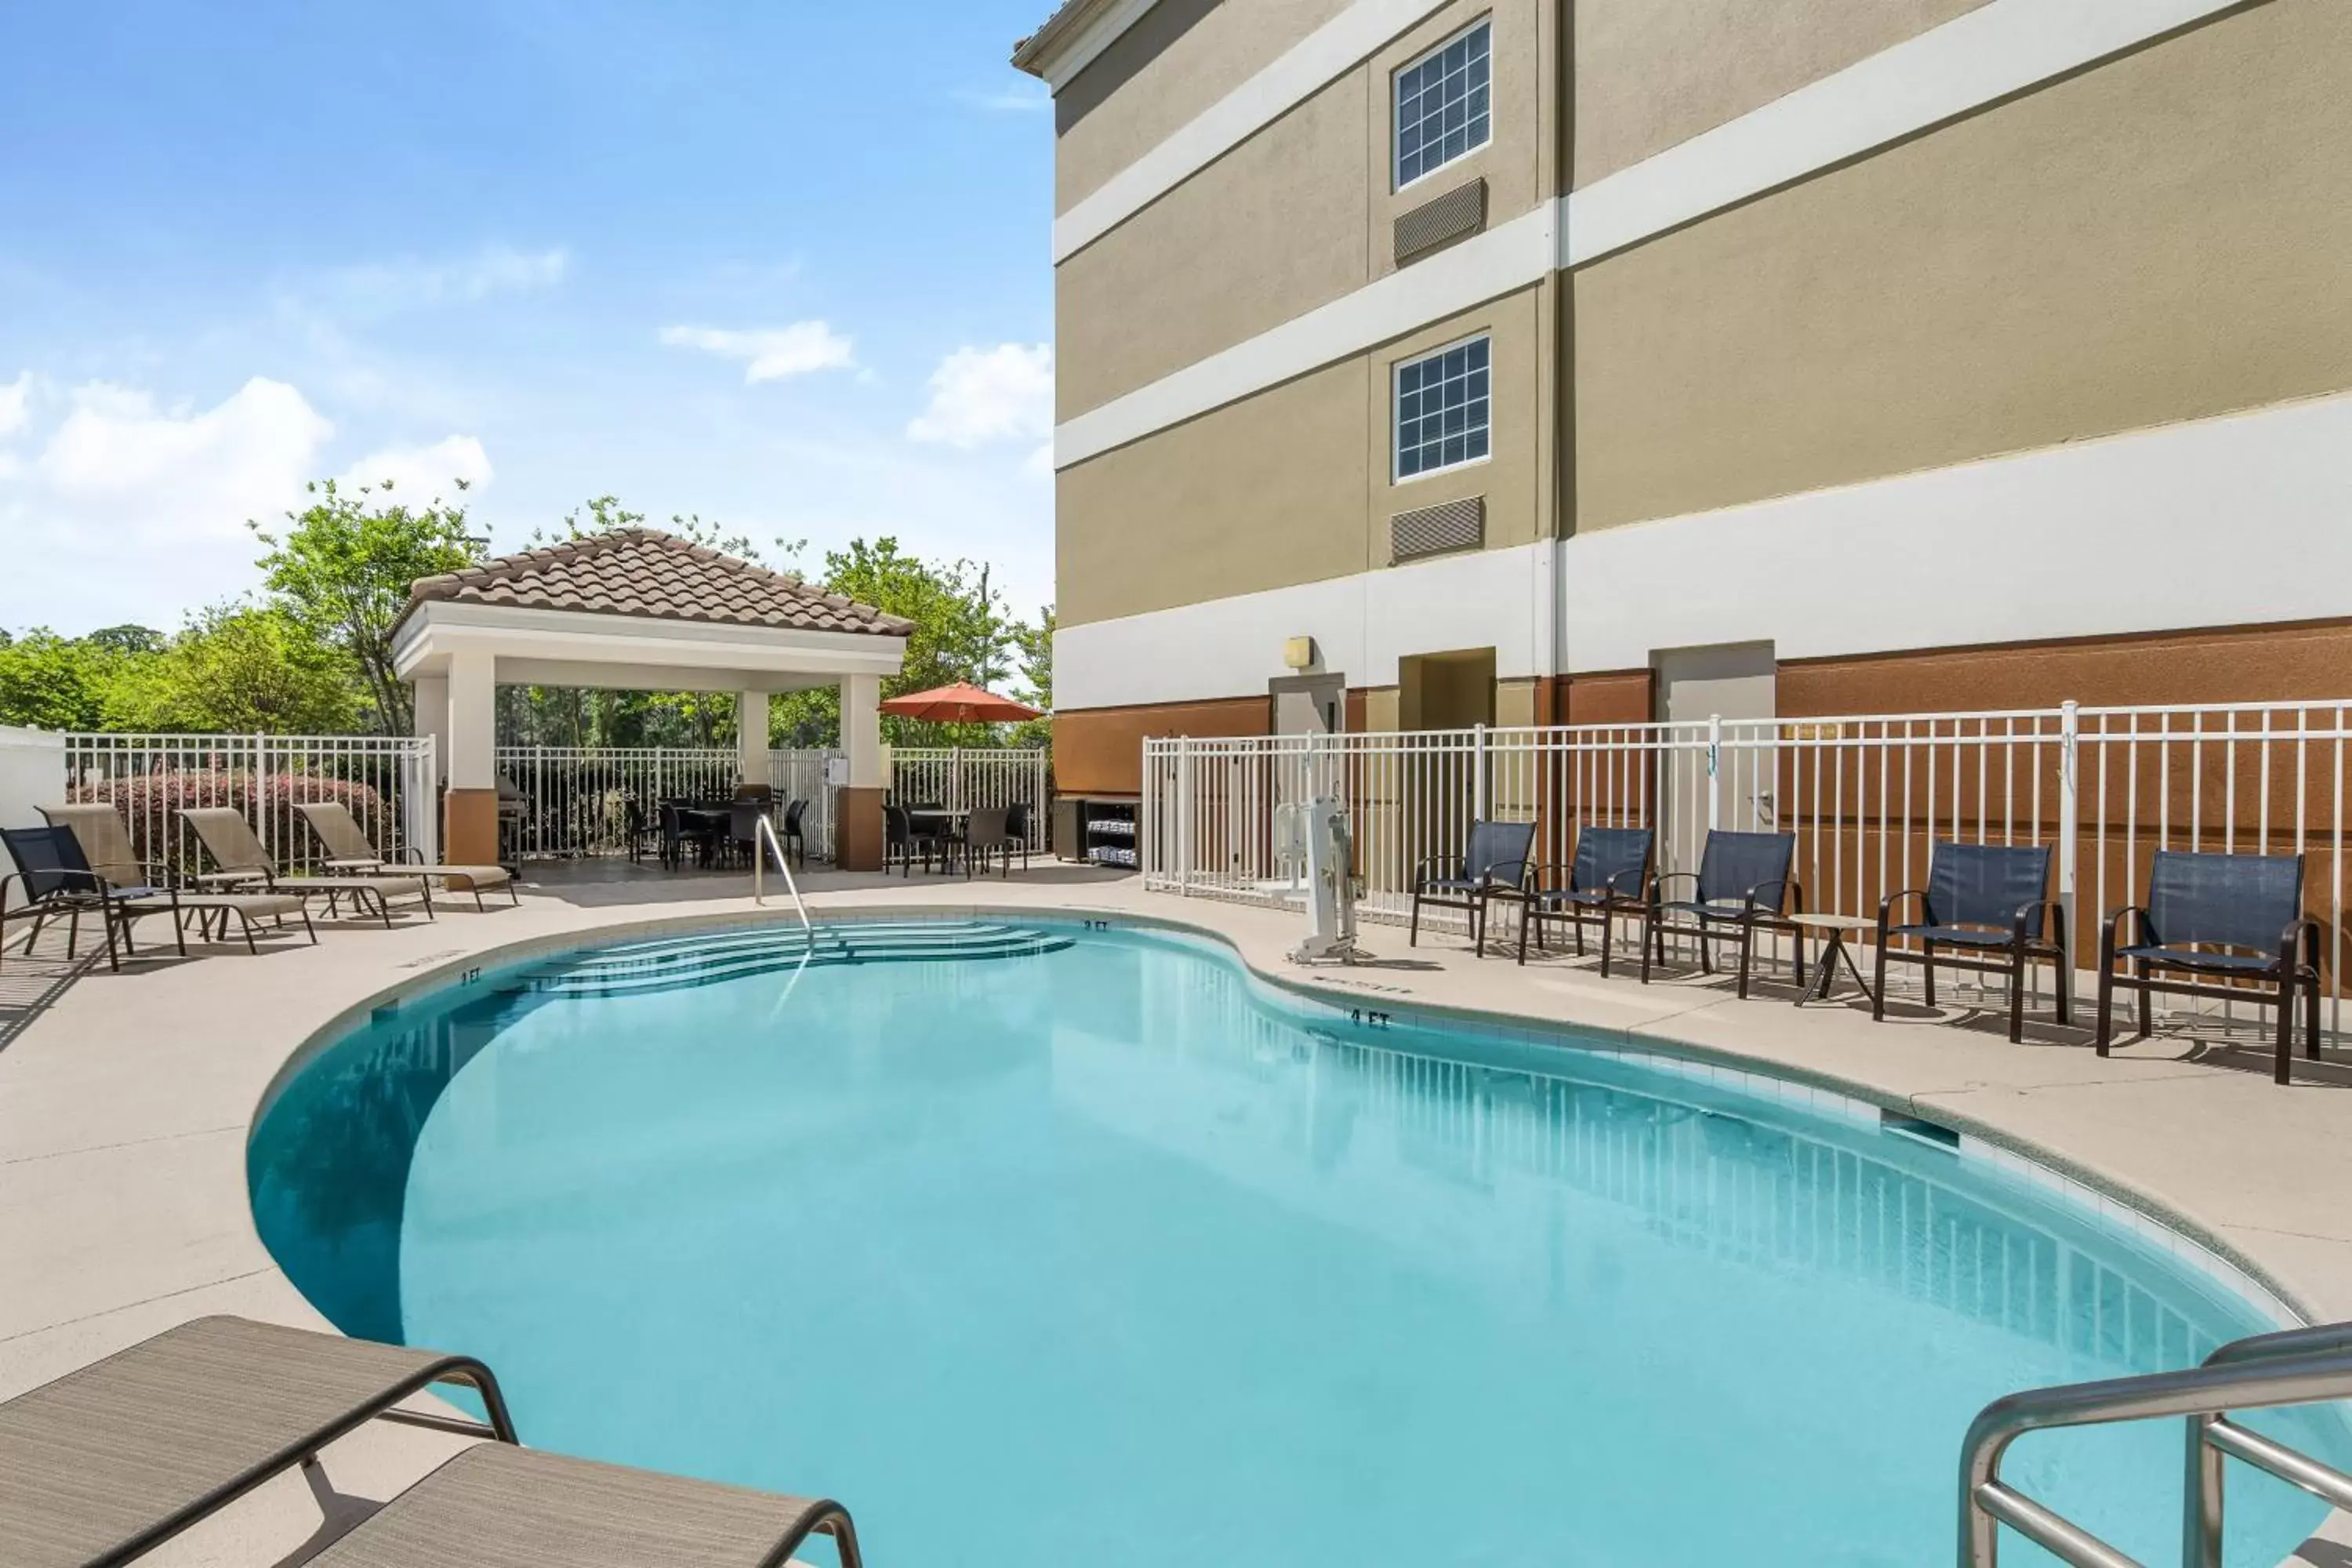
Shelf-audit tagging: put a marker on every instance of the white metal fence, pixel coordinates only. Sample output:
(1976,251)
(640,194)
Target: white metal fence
(560,801)
(387,782)
(963,778)
(1865,796)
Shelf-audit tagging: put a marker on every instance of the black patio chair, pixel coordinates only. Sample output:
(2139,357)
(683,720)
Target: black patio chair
(795,839)
(57,879)
(902,843)
(1493,864)
(987,835)
(1742,885)
(2233,917)
(1016,824)
(742,840)
(674,837)
(639,831)
(1608,875)
(1987,899)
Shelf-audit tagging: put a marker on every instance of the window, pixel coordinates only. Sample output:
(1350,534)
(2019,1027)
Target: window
(1441,409)
(1440,105)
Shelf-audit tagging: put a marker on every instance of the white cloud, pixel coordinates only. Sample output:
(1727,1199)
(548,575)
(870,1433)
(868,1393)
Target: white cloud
(771,354)
(415,282)
(132,511)
(419,475)
(17,404)
(978,395)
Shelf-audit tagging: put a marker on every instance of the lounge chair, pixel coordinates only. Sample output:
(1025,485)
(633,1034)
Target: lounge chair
(228,838)
(2233,917)
(104,1464)
(53,880)
(1742,886)
(350,852)
(1985,898)
(1493,864)
(104,845)
(1608,875)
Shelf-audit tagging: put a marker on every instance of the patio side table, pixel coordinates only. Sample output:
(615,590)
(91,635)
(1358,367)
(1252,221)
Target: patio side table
(1834,928)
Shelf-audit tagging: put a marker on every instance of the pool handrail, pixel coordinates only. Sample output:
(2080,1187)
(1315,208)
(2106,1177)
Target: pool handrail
(2296,1366)
(768,842)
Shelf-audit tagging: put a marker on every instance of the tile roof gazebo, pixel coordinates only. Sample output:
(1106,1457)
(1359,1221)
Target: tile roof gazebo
(638,609)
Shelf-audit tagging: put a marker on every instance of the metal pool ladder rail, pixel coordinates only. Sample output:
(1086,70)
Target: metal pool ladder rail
(770,844)
(2298,1366)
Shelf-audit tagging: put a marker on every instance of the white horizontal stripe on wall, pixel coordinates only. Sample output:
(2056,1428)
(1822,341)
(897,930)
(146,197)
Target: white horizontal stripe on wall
(2228,521)
(2003,47)
(1454,281)
(1295,75)
(1362,625)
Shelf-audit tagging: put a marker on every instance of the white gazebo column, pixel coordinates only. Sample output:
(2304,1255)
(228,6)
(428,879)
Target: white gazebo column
(857,813)
(470,829)
(432,719)
(751,738)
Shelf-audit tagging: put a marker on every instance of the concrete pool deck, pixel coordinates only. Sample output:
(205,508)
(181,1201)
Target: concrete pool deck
(126,1100)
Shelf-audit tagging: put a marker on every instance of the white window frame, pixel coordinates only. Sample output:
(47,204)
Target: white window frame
(1396,125)
(1397,476)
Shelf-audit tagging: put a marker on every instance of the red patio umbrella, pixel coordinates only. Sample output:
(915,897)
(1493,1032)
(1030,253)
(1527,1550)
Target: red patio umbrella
(961,703)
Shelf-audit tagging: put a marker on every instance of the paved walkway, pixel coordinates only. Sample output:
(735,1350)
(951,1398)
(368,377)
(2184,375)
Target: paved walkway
(125,1101)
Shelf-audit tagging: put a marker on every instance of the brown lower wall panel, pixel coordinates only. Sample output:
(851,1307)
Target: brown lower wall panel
(2245,664)
(1099,750)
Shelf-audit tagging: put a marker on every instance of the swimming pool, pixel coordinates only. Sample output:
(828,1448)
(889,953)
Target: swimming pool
(1041,1243)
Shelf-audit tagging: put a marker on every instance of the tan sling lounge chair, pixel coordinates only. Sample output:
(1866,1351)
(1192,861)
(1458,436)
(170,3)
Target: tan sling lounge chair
(228,839)
(347,850)
(104,1464)
(106,845)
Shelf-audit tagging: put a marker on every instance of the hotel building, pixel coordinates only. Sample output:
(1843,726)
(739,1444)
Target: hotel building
(1564,361)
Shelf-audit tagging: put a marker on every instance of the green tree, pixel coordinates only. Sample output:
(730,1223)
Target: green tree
(342,566)
(55,683)
(1034,646)
(237,668)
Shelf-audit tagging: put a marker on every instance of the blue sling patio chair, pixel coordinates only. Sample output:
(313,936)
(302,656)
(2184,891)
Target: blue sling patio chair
(1742,886)
(1493,865)
(1609,876)
(2237,918)
(1987,899)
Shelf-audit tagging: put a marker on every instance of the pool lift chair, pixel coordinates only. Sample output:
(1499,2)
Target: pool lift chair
(1318,833)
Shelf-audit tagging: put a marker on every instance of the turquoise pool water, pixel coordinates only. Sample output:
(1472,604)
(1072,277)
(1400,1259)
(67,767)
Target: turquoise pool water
(1090,1250)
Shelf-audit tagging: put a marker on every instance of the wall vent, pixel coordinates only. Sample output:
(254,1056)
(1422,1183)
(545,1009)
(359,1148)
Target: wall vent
(1435,530)
(1440,221)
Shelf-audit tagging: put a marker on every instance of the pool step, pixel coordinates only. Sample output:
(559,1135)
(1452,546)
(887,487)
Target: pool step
(667,963)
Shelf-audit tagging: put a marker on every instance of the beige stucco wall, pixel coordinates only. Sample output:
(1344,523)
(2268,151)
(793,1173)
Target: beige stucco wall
(1260,494)
(1178,60)
(1295,217)
(1274,228)
(1292,485)
(1650,75)
(2163,238)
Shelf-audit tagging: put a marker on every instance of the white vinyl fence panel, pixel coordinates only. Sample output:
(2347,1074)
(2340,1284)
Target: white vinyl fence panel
(1867,797)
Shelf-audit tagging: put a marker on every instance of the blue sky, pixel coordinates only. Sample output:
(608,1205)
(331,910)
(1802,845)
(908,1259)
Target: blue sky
(783,265)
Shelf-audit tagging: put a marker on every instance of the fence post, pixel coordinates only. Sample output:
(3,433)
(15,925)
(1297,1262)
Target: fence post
(1183,814)
(1478,771)
(1714,771)
(1043,806)
(955,778)
(2070,813)
(259,793)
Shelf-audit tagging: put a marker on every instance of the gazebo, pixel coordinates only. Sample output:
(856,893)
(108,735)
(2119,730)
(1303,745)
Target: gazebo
(640,610)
